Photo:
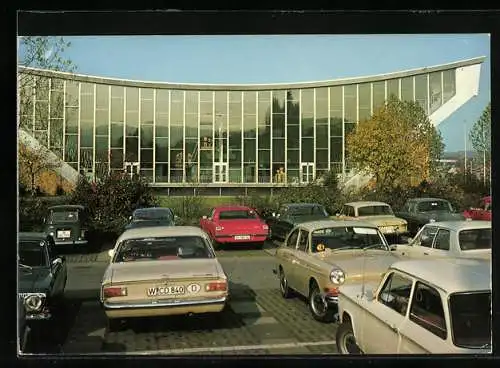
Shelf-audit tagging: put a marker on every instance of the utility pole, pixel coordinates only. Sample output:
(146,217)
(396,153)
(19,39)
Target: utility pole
(465,151)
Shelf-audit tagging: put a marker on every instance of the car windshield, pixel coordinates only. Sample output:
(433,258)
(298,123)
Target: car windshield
(471,319)
(237,215)
(473,239)
(307,211)
(156,214)
(31,254)
(428,206)
(64,216)
(346,238)
(375,210)
(164,248)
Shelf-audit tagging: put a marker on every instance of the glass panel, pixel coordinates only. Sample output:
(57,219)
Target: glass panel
(307,127)
(86,158)
(407,89)
(278,125)
(249,173)
(234,158)
(101,122)
(220,104)
(101,148)
(378,95)
(117,92)
(364,101)
(322,136)
(250,103)
(56,133)
(176,138)
(322,159)
(293,136)
(177,107)
(435,92)
(421,90)
(293,158)
(72,94)
(117,110)
(56,104)
(264,159)
(293,107)
(87,88)
(146,111)
(161,173)
(307,103)
(42,89)
(192,102)
(307,150)
(132,123)
(278,150)
(102,97)
(264,119)
(56,84)
(250,150)
(86,135)
(116,135)
(71,148)
(161,149)
(207,96)
(321,106)
(336,149)
(161,125)
(87,107)
(42,137)
(71,120)
(235,139)
(191,125)
(250,126)
(448,84)
(162,101)
(147,158)
(41,115)
(147,94)
(393,88)
(235,111)
(350,103)
(132,99)
(116,156)
(132,149)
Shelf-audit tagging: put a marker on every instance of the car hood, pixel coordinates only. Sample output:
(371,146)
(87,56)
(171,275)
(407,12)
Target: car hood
(35,280)
(356,263)
(175,269)
(383,220)
(441,215)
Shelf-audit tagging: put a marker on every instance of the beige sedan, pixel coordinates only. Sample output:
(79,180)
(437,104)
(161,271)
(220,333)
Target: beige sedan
(160,271)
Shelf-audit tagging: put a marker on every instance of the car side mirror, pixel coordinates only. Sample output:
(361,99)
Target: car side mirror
(57,261)
(111,253)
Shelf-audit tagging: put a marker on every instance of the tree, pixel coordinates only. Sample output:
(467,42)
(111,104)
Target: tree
(32,163)
(480,135)
(398,145)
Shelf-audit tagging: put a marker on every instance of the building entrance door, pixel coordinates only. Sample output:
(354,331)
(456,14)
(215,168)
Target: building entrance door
(306,172)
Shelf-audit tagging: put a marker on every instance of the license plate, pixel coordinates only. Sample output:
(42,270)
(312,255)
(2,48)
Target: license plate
(64,233)
(241,237)
(166,290)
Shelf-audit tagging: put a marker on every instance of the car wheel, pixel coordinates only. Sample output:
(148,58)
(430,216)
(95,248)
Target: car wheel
(318,306)
(259,245)
(115,324)
(285,290)
(346,342)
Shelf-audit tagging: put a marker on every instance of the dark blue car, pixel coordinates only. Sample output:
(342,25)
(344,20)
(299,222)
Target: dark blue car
(151,216)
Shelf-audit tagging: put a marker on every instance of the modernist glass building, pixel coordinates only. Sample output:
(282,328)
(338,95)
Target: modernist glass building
(194,135)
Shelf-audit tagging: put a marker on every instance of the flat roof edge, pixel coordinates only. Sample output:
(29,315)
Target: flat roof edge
(249,87)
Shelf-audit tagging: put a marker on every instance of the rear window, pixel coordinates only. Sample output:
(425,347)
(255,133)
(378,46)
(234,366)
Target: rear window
(434,206)
(152,215)
(237,215)
(307,211)
(164,248)
(374,210)
(474,239)
(64,216)
(31,254)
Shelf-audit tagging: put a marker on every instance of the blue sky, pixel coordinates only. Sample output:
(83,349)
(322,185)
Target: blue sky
(284,58)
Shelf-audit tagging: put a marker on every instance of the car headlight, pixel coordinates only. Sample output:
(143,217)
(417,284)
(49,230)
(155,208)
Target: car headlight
(337,276)
(34,302)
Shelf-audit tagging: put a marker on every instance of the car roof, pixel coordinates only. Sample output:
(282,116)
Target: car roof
(426,199)
(452,275)
(32,236)
(159,231)
(67,206)
(462,225)
(308,204)
(152,209)
(232,207)
(320,224)
(367,203)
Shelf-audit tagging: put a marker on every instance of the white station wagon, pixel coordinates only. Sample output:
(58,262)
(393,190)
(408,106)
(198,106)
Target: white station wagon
(469,239)
(435,306)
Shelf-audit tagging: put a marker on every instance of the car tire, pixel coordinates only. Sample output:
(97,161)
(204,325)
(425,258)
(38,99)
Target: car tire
(319,311)
(259,245)
(285,290)
(345,340)
(115,324)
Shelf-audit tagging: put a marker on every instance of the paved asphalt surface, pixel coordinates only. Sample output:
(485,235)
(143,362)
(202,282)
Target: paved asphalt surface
(257,321)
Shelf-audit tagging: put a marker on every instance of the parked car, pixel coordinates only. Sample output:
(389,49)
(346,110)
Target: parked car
(377,213)
(483,212)
(68,225)
(420,211)
(23,329)
(291,214)
(160,271)
(319,257)
(151,216)
(420,307)
(470,239)
(234,224)
(42,276)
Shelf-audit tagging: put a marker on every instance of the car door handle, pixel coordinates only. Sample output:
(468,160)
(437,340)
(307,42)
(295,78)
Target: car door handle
(426,254)
(393,327)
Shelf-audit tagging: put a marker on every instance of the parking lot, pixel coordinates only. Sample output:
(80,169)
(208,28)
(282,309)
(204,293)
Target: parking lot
(257,320)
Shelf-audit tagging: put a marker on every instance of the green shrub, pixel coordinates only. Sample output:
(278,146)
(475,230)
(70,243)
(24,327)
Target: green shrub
(189,209)
(112,200)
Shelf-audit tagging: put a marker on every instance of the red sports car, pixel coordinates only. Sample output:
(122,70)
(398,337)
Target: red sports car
(235,224)
(481,213)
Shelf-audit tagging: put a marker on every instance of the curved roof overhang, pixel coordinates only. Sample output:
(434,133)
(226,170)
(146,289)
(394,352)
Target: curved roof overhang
(250,87)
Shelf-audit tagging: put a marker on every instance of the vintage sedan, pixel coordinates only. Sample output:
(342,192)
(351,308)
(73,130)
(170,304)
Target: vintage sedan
(469,239)
(377,213)
(160,271)
(23,328)
(432,306)
(291,214)
(233,225)
(482,212)
(319,257)
(151,216)
(68,225)
(42,276)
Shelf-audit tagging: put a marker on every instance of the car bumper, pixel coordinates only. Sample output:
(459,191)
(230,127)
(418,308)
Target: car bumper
(167,308)
(71,242)
(224,239)
(38,317)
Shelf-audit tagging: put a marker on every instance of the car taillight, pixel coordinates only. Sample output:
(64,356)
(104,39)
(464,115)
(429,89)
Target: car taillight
(110,292)
(265,227)
(216,286)
(219,228)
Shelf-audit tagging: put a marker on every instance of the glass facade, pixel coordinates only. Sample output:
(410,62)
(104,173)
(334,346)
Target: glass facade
(235,136)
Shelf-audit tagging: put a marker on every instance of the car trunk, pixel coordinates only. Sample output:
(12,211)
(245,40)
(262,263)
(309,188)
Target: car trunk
(165,280)
(242,226)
